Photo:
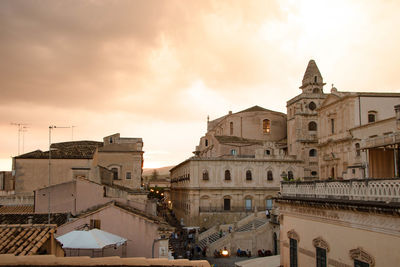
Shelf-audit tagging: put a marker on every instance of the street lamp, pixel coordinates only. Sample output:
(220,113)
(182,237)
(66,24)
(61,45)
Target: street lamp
(51,127)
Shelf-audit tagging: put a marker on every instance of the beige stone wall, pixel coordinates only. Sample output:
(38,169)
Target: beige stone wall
(32,174)
(342,231)
(201,202)
(125,162)
(139,231)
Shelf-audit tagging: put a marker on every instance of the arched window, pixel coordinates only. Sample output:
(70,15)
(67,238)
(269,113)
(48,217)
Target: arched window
(248,175)
(227,175)
(312,126)
(205,175)
(233,152)
(115,173)
(231,128)
(312,106)
(270,177)
(315,79)
(267,152)
(206,142)
(312,153)
(314,173)
(290,175)
(358,151)
(266,126)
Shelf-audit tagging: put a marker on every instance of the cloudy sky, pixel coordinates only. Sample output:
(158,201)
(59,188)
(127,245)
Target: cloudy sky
(157,69)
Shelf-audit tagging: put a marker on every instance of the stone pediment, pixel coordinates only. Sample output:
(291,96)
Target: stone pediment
(329,100)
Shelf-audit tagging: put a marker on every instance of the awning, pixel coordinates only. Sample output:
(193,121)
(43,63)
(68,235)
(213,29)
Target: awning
(93,239)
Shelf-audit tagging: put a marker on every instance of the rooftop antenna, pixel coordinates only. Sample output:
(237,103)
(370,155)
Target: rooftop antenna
(21,126)
(24,130)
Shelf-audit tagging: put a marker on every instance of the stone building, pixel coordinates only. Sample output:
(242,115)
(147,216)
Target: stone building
(346,120)
(302,121)
(340,223)
(236,169)
(84,159)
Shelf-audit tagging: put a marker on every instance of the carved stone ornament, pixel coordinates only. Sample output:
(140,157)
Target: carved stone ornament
(293,235)
(362,255)
(320,243)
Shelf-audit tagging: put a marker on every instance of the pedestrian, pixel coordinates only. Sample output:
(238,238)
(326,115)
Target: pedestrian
(230,229)
(220,233)
(267,213)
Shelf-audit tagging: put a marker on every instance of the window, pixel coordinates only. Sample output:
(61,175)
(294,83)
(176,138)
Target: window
(95,224)
(315,79)
(227,204)
(270,176)
(205,175)
(231,128)
(227,175)
(332,126)
(371,116)
(128,175)
(290,175)
(206,142)
(266,126)
(314,173)
(269,203)
(316,90)
(321,257)
(248,204)
(115,173)
(312,126)
(267,152)
(312,106)
(358,151)
(293,252)
(233,152)
(111,140)
(312,153)
(248,175)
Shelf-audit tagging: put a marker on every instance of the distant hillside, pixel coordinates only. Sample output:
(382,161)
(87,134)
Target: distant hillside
(163,171)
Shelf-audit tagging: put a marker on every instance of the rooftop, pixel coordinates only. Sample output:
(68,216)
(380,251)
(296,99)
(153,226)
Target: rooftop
(20,209)
(25,239)
(35,218)
(66,150)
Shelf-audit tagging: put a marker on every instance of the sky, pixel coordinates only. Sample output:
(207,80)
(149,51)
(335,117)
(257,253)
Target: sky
(157,69)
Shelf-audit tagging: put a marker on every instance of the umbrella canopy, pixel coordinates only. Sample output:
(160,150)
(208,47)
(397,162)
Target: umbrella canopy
(93,239)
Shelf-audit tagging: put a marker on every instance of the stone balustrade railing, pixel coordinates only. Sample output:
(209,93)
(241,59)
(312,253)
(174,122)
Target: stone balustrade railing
(387,190)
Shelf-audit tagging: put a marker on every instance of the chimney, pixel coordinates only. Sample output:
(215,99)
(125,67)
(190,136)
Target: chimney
(230,112)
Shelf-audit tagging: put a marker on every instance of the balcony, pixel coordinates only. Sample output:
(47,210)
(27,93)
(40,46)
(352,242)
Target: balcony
(386,190)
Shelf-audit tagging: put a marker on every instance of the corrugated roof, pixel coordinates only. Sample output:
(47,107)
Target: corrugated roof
(25,239)
(26,218)
(20,209)
(66,150)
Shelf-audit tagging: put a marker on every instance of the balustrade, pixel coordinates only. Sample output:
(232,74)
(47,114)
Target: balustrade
(367,189)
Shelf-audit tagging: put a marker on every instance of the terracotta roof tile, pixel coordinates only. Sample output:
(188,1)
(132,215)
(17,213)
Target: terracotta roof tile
(24,239)
(66,150)
(34,218)
(17,209)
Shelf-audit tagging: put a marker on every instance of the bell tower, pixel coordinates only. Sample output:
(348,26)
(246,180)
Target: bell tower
(302,121)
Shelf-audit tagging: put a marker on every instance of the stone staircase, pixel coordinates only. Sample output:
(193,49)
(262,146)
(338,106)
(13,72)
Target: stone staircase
(254,224)
(210,239)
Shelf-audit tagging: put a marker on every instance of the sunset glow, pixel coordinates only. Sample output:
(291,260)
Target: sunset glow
(157,69)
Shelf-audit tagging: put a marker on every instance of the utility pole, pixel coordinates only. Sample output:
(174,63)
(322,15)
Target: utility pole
(21,127)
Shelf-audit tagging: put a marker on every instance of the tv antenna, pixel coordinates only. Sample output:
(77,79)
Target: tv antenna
(21,129)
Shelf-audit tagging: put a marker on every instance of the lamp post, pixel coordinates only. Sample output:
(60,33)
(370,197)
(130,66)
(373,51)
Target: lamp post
(51,127)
